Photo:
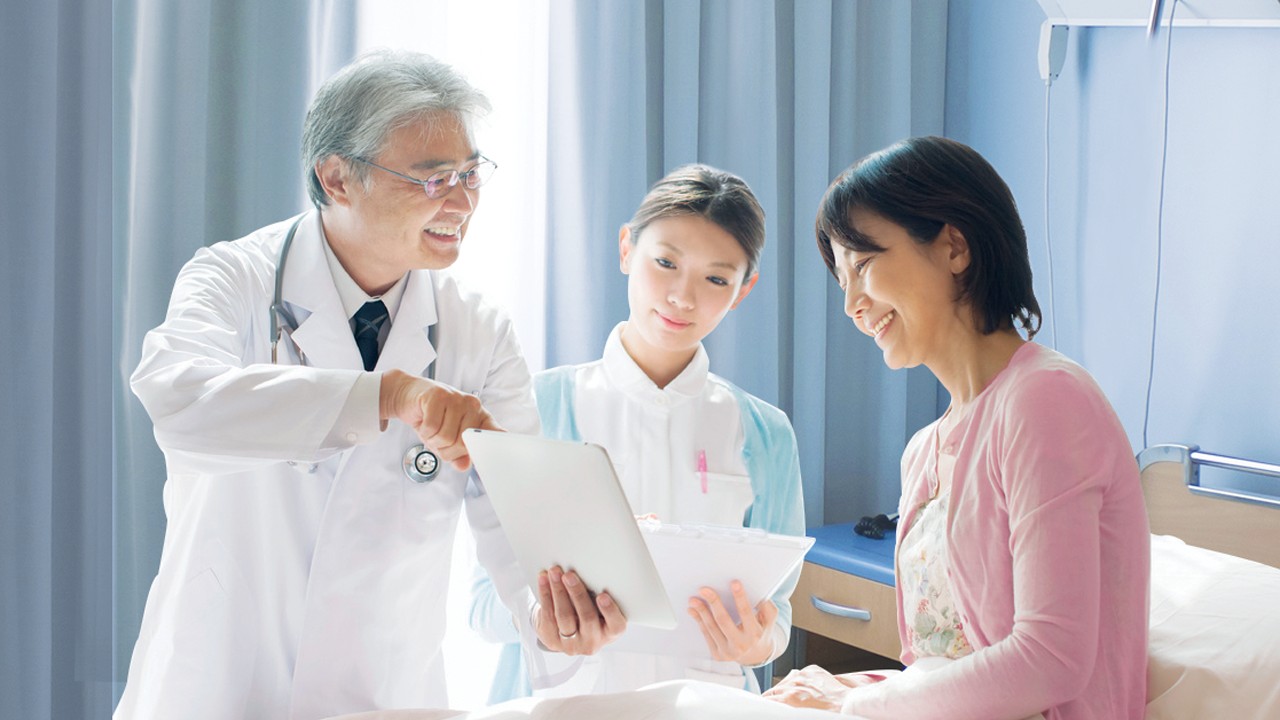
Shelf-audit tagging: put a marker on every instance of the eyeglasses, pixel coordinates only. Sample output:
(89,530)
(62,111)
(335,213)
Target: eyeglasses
(438,184)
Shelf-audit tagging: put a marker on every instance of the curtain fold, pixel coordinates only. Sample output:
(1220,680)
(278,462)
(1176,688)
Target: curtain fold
(209,99)
(55,402)
(206,99)
(785,94)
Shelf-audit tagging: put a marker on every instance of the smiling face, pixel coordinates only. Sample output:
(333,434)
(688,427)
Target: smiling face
(382,229)
(685,273)
(904,296)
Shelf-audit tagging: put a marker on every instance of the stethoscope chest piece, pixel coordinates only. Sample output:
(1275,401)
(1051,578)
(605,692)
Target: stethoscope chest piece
(420,464)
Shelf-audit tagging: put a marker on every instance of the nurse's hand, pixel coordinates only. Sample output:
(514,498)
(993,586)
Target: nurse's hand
(569,620)
(814,687)
(748,642)
(436,412)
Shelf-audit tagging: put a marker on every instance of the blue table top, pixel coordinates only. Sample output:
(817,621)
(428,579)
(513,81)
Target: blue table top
(838,547)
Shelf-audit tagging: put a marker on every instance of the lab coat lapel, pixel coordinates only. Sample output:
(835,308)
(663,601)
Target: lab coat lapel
(408,346)
(324,331)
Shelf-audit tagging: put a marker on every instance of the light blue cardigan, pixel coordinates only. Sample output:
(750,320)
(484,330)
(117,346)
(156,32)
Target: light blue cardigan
(773,463)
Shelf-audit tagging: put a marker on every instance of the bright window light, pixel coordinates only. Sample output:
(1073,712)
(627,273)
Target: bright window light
(501,47)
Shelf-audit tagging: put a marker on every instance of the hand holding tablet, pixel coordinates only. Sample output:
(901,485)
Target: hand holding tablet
(569,619)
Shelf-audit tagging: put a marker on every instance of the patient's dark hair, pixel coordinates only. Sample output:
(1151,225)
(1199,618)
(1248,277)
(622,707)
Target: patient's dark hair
(923,184)
(719,196)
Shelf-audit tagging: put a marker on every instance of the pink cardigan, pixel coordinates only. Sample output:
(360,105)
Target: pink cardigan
(1049,552)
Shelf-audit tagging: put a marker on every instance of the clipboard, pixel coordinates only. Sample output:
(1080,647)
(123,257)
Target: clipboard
(560,503)
(690,557)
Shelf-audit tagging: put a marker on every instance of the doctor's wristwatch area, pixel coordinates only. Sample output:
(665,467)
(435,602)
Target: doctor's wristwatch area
(421,465)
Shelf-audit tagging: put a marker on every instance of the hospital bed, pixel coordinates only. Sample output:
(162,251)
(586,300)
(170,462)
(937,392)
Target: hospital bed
(1215,616)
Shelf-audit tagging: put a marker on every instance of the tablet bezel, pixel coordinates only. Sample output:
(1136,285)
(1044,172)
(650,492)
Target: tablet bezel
(560,503)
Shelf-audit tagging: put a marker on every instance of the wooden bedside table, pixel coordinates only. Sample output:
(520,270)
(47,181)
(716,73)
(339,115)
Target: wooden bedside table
(846,591)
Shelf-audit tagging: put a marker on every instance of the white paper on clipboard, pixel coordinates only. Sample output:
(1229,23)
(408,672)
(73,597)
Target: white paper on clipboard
(691,557)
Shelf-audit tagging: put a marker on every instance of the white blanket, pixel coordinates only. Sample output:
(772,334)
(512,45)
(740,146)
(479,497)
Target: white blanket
(674,700)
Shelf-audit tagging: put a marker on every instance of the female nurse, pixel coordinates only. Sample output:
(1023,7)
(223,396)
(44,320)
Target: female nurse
(1022,557)
(688,446)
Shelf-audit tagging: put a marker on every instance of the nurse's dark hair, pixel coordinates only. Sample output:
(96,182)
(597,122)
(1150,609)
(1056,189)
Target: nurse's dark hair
(923,184)
(357,109)
(721,197)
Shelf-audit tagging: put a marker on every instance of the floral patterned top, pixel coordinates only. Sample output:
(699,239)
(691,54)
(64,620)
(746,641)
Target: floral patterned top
(934,625)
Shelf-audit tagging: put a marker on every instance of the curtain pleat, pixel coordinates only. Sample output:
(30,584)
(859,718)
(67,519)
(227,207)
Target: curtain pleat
(785,94)
(209,97)
(55,325)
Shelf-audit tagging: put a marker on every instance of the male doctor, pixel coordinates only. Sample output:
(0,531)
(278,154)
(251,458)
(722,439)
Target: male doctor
(304,573)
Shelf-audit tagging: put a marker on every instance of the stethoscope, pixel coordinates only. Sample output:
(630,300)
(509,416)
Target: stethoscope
(420,464)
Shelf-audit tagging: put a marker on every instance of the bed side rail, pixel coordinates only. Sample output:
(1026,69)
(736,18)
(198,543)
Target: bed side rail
(1191,457)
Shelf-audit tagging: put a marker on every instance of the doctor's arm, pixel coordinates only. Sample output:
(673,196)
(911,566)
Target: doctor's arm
(216,408)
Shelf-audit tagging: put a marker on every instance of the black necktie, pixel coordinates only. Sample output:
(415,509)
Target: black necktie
(368,323)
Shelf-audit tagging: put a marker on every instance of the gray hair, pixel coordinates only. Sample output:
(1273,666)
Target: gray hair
(357,109)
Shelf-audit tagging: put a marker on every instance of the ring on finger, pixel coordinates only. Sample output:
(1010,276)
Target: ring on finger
(570,636)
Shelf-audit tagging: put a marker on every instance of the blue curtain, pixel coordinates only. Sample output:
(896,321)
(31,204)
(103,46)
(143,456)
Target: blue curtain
(55,321)
(208,108)
(785,94)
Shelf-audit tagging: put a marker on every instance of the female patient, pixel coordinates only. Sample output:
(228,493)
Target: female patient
(688,446)
(1022,552)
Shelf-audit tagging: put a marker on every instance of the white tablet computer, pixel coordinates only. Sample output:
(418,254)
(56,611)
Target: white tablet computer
(560,503)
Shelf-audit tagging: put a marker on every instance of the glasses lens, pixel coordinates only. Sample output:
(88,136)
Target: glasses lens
(480,174)
(439,183)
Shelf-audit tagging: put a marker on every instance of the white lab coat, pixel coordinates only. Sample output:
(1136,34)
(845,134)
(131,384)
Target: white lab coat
(303,575)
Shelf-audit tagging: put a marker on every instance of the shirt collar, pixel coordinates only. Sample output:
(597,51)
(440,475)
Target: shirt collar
(628,377)
(353,298)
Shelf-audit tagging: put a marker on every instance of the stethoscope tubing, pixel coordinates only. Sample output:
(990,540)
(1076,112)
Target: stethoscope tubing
(420,464)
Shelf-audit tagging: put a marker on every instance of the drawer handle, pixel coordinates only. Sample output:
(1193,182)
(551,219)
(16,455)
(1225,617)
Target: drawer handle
(840,610)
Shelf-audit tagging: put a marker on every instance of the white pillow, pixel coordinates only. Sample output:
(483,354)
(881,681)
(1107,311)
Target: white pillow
(1215,635)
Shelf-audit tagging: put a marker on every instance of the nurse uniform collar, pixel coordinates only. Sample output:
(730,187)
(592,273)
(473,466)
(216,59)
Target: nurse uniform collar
(420,464)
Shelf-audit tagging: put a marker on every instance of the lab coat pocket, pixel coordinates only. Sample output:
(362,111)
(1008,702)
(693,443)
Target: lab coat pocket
(722,500)
(212,628)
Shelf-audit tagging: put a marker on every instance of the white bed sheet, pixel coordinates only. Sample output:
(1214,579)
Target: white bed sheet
(674,700)
(1214,653)
(1215,635)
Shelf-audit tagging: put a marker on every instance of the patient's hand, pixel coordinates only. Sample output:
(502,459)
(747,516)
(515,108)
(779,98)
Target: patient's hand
(748,642)
(814,687)
(569,619)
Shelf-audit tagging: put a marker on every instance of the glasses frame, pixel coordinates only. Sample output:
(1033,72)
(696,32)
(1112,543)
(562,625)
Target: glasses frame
(454,176)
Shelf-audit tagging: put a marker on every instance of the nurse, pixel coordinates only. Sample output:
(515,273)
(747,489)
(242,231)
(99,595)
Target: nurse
(688,446)
(303,572)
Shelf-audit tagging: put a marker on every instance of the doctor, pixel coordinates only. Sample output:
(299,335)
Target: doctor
(306,557)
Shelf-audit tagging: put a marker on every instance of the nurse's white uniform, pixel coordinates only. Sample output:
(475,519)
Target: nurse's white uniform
(303,575)
(654,437)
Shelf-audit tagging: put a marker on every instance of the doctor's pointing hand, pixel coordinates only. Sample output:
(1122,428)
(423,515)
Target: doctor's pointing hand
(436,412)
